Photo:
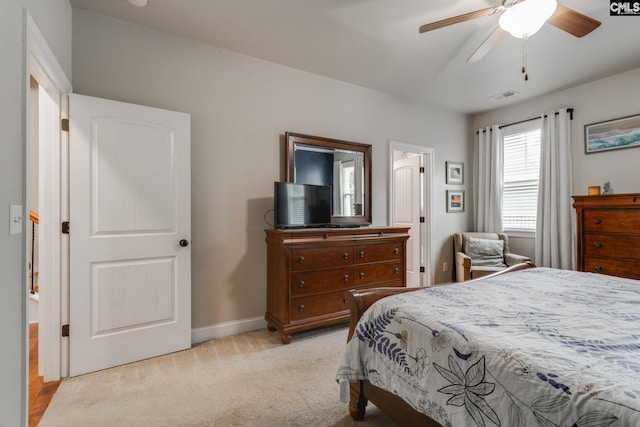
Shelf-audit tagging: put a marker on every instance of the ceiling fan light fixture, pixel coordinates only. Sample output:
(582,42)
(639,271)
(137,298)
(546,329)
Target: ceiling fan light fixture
(524,19)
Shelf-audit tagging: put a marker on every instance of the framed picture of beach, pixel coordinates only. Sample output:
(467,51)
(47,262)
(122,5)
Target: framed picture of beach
(455,201)
(612,134)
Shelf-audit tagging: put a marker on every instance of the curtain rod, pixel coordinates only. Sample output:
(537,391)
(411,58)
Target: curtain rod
(569,110)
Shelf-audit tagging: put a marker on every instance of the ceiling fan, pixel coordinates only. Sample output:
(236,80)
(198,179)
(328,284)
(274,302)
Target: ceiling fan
(522,18)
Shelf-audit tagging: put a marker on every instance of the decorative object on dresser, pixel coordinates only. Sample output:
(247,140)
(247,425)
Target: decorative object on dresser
(594,190)
(309,270)
(608,240)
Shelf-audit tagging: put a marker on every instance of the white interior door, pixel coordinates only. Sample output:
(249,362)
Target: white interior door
(129,212)
(406,211)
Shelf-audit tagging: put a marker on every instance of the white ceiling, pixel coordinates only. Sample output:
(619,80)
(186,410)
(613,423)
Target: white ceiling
(376,44)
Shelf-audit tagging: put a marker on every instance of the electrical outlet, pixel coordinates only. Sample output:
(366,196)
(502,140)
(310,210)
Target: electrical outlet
(445,266)
(15,219)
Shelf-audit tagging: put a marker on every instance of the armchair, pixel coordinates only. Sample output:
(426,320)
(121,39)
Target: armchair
(478,254)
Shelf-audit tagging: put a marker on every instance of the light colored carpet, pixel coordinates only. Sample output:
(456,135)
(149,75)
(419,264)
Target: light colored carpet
(246,380)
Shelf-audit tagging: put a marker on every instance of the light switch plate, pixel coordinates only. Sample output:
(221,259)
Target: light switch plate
(16,217)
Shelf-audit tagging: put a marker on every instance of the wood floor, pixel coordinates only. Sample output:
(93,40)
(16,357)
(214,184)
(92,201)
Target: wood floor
(40,393)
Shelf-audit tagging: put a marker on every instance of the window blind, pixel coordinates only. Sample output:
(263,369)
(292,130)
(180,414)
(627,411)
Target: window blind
(521,172)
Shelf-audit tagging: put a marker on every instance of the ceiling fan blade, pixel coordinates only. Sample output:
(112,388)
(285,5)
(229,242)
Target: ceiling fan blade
(573,22)
(486,45)
(460,18)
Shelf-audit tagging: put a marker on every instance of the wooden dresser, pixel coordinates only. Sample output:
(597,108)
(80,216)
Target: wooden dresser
(309,270)
(609,234)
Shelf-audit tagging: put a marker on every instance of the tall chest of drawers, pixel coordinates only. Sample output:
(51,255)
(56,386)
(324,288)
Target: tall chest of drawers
(309,270)
(608,240)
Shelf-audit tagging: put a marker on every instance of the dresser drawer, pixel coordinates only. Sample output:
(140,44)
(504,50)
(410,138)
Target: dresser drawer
(612,221)
(378,252)
(317,237)
(382,272)
(613,267)
(313,258)
(612,245)
(309,282)
(304,307)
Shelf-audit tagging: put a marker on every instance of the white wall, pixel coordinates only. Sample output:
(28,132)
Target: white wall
(604,99)
(240,108)
(53,17)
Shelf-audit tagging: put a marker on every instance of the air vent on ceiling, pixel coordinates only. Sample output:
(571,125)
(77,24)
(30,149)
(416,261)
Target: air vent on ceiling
(503,95)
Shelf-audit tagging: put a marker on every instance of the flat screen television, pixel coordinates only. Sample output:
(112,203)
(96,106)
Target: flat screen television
(301,205)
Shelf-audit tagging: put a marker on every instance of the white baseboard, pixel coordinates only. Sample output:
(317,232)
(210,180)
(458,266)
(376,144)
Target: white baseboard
(226,329)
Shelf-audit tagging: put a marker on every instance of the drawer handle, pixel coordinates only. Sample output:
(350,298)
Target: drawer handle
(325,236)
(345,277)
(396,270)
(597,245)
(301,260)
(597,220)
(345,255)
(301,308)
(634,199)
(361,254)
(597,268)
(344,300)
(362,275)
(396,251)
(301,284)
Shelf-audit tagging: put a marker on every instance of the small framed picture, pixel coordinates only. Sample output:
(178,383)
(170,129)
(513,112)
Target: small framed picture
(455,200)
(455,172)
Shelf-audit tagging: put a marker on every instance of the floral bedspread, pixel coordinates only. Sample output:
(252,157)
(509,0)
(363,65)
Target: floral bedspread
(539,347)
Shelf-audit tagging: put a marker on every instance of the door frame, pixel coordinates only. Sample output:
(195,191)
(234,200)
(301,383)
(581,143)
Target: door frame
(427,232)
(41,63)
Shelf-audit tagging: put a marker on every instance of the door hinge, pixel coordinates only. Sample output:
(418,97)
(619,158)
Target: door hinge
(65,125)
(422,269)
(65,227)
(421,169)
(422,219)
(65,330)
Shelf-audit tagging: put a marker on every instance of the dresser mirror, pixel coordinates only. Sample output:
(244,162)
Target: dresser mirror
(342,165)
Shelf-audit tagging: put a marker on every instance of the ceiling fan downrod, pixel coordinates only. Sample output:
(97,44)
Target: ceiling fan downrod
(524,58)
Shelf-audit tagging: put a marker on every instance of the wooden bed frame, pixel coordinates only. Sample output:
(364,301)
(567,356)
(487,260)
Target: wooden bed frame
(363,391)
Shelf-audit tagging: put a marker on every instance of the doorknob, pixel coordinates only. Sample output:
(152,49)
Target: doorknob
(184,243)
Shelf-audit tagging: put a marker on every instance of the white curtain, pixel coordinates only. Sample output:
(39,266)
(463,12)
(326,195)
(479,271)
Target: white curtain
(554,224)
(488,183)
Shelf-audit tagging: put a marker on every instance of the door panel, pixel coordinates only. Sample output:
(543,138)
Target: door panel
(132,294)
(130,279)
(125,176)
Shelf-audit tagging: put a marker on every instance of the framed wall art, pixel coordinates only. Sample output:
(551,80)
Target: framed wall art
(455,172)
(612,134)
(455,200)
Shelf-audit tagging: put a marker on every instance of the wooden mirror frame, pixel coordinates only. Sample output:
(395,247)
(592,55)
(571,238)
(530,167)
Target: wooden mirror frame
(292,139)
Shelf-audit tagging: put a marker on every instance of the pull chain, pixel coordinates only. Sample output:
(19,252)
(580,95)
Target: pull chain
(524,58)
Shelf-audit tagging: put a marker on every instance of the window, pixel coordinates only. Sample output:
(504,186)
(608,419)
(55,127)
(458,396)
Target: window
(347,176)
(521,172)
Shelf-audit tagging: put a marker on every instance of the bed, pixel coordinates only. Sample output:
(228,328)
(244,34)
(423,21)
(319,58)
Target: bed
(525,347)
